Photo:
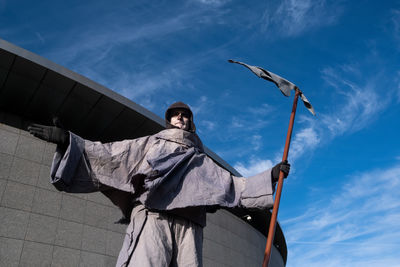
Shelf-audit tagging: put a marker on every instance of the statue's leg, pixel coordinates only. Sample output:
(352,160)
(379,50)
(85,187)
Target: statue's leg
(154,245)
(187,243)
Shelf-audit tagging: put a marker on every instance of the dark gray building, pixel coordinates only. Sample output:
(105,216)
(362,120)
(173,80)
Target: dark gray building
(40,226)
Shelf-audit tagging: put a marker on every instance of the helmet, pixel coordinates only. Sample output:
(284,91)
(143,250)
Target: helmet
(179,105)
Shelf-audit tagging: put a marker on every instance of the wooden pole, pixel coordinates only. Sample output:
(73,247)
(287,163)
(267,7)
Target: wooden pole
(272,224)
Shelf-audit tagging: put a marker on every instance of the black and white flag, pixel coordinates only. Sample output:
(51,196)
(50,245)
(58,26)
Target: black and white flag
(307,103)
(284,85)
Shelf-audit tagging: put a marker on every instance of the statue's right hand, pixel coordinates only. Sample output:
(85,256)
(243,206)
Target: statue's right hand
(51,134)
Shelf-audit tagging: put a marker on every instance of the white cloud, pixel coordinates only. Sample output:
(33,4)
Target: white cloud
(236,123)
(397,89)
(256,142)
(305,140)
(200,106)
(143,84)
(263,110)
(208,125)
(395,19)
(253,119)
(358,223)
(294,17)
(213,2)
(253,167)
(356,109)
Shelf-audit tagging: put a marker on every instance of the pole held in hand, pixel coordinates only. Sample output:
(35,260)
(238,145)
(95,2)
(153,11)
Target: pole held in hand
(272,224)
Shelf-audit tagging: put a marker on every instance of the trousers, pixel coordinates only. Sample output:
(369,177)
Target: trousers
(167,240)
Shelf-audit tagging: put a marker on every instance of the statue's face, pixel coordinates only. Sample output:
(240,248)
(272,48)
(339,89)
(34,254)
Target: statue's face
(180,119)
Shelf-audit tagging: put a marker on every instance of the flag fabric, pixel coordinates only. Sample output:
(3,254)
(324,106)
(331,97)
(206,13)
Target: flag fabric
(307,103)
(284,85)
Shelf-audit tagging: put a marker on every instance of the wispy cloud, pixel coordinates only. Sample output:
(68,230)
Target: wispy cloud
(201,105)
(397,87)
(256,142)
(213,2)
(357,107)
(262,110)
(293,17)
(90,41)
(304,141)
(208,125)
(40,37)
(357,223)
(255,166)
(395,20)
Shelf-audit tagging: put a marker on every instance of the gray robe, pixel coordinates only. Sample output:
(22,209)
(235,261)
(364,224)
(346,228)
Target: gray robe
(168,171)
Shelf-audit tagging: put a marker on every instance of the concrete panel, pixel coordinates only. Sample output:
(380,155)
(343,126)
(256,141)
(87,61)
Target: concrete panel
(18,196)
(10,252)
(24,171)
(42,229)
(229,241)
(72,208)
(114,243)
(89,259)
(69,234)
(48,153)
(99,198)
(13,223)
(44,179)
(97,215)
(65,257)
(8,142)
(3,184)
(210,263)
(36,254)
(111,261)
(94,239)
(215,251)
(115,215)
(9,128)
(5,165)
(47,202)
(30,148)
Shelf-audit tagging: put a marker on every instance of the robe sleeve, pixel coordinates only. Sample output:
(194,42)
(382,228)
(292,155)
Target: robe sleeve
(257,191)
(87,166)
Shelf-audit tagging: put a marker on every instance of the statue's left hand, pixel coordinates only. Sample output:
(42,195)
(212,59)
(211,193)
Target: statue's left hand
(283,166)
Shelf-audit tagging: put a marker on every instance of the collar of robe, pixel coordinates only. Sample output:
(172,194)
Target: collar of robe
(182,137)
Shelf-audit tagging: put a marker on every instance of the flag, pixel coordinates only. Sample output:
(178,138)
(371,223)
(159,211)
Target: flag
(284,85)
(307,103)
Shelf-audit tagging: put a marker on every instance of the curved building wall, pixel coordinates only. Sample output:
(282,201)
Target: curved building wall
(229,241)
(40,226)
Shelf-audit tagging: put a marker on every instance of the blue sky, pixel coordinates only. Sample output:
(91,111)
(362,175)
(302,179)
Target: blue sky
(341,203)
